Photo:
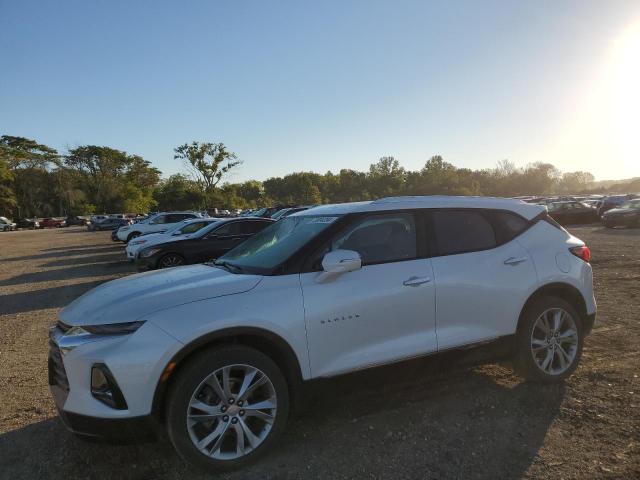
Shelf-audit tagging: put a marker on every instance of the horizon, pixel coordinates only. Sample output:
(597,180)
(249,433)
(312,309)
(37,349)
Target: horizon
(322,87)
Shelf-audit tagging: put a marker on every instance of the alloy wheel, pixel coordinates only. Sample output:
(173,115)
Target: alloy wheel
(554,341)
(231,412)
(171,261)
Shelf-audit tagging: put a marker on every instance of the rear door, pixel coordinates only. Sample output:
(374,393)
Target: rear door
(482,274)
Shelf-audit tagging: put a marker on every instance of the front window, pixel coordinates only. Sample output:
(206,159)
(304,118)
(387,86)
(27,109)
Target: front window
(273,245)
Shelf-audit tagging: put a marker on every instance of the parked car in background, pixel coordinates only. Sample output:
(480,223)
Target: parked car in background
(626,215)
(572,213)
(205,245)
(285,212)
(6,225)
(51,222)
(110,223)
(223,346)
(160,222)
(73,220)
(28,223)
(182,230)
(614,201)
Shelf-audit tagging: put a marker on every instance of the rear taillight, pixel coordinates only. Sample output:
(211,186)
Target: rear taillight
(582,252)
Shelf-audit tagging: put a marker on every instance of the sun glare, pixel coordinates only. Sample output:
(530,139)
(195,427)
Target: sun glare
(625,98)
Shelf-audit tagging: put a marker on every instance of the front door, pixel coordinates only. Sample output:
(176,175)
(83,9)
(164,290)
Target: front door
(384,311)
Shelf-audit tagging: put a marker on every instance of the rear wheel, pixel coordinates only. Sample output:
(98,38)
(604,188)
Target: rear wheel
(227,407)
(171,260)
(549,341)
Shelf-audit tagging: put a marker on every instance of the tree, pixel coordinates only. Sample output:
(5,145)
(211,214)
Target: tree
(30,165)
(386,177)
(209,162)
(7,197)
(114,181)
(178,193)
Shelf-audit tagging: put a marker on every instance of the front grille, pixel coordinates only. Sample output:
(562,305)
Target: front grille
(57,373)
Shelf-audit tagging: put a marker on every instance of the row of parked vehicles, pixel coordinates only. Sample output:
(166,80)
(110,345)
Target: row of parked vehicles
(213,356)
(612,211)
(7,225)
(170,239)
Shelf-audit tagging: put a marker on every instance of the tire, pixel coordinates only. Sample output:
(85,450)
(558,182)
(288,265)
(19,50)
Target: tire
(564,353)
(190,380)
(132,235)
(171,260)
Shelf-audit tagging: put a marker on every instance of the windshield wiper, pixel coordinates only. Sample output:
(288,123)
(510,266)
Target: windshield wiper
(230,267)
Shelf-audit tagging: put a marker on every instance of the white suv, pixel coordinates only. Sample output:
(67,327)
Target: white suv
(158,223)
(213,354)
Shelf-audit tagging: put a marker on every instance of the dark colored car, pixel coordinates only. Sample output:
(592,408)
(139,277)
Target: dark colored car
(72,220)
(52,223)
(28,223)
(614,201)
(107,224)
(572,213)
(627,215)
(207,244)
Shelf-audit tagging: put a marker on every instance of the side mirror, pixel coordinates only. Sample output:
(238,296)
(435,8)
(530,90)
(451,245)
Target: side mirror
(341,261)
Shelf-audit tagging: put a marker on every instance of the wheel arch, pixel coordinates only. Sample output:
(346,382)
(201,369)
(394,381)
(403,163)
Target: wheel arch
(265,341)
(561,290)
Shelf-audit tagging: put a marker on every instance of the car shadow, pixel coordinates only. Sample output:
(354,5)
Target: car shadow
(69,273)
(427,418)
(54,297)
(113,256)
(618,231)
(68,252)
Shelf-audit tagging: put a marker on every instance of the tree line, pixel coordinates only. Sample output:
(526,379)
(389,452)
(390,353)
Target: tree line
(37,180)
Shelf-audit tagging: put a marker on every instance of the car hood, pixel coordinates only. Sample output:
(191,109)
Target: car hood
(130,298)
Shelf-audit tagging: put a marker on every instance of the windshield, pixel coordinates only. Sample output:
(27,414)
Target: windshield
(631,204)
(273,245)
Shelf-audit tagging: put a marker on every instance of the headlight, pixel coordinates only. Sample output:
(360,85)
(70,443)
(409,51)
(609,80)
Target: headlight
(124,229)
(107,329)
(149,251)
(137,242)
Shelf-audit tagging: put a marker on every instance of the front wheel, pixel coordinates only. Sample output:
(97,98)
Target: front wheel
(549,341)
(171,260)
(132,235)
(226,407)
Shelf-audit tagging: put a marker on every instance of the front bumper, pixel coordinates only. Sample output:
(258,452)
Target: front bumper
(619,220)
(136,361)
(117,431)
(146,263)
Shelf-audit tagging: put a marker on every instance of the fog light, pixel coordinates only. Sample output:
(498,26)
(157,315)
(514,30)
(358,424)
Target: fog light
(105,388)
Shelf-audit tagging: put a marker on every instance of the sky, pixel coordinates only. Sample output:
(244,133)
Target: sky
(316,86)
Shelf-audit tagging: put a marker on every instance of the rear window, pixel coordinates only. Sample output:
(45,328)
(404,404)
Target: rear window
(462,231)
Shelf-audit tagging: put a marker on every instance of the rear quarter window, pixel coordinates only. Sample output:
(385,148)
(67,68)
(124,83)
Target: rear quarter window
(462,231)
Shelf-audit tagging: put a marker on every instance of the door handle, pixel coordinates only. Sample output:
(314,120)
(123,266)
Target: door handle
(415,281)
(515,260)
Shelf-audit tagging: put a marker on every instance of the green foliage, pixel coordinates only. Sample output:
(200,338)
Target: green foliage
(208,162)
(35,180)
(178,193)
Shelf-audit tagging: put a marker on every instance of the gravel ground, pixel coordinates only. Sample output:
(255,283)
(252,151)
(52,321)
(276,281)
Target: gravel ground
(434,418)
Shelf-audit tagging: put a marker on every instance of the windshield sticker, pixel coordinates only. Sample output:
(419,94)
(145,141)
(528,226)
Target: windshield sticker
(323,220)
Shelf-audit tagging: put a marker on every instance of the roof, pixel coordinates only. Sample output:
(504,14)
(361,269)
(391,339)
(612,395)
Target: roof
(527,210)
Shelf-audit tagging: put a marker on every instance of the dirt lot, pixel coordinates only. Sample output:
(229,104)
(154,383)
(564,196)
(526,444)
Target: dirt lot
(434,418)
